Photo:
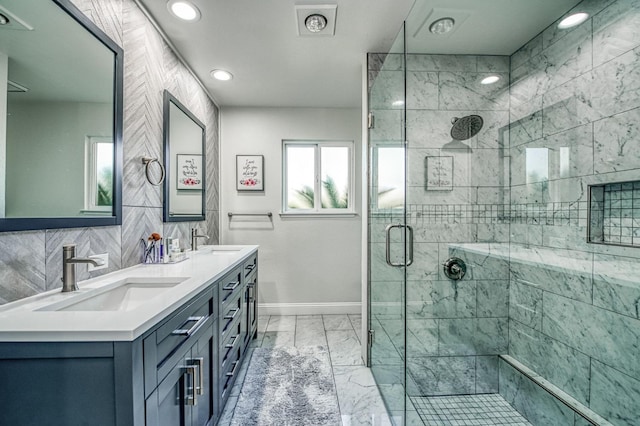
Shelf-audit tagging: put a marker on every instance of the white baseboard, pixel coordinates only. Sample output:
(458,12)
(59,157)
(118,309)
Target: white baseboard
(309,308)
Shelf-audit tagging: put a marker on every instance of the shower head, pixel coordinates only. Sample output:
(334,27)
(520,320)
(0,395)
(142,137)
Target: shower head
(466,127)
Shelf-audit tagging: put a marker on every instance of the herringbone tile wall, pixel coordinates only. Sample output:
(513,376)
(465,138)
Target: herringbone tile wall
(31,262)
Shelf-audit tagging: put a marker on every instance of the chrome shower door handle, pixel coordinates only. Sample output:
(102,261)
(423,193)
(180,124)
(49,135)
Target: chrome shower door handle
(410,255)
(409,260)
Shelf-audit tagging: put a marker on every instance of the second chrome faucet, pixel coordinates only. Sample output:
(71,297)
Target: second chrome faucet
(194,238)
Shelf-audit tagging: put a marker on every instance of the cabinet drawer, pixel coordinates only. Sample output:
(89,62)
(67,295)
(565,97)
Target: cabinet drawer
(230,347)
(182,325)
(230,315)
(229,372)
(229,287)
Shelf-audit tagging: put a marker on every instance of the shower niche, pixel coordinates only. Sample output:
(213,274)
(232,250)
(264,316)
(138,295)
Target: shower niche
(614,214)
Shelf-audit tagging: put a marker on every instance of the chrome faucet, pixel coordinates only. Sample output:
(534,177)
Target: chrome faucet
(194,238)
(69,261)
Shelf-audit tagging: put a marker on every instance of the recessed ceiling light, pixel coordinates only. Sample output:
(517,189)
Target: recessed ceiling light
(184,10)
(221,75)
(442,26)
(490,80)
(573,20)
(315,23)
(398,103)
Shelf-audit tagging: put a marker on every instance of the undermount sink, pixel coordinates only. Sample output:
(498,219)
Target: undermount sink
(124,295)
(219,250)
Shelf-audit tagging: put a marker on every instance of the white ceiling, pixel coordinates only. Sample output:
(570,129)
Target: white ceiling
(257,40)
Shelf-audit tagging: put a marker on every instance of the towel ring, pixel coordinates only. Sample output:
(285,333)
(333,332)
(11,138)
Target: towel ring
(147,161)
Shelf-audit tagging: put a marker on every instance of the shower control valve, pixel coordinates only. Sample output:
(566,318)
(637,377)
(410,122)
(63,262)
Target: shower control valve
(454,268)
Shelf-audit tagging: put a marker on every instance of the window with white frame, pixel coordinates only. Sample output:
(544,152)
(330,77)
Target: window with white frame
(98,185)
(317,177)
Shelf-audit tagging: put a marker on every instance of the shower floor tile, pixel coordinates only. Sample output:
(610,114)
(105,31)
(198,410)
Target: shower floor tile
(467,410)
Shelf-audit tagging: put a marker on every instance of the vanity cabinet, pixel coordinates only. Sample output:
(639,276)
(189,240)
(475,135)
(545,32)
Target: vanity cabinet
(179,372)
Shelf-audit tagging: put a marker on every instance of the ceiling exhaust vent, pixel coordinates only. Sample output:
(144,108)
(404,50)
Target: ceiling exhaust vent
(13,21)
(326,11)
(13,87)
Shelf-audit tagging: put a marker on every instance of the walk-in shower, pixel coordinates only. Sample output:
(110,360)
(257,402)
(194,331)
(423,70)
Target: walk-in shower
(543,328)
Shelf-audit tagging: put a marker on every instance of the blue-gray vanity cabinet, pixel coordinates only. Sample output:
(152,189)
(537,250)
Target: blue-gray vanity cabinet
(118,383)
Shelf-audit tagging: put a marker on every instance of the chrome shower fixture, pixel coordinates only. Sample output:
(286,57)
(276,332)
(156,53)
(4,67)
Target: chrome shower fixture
(466,127)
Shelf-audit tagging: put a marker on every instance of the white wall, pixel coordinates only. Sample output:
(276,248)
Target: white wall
(307,265)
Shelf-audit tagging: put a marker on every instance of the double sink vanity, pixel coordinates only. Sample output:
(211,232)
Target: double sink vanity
(154,344)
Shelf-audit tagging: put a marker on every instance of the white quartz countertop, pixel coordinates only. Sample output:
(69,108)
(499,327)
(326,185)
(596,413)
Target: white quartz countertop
(23,321)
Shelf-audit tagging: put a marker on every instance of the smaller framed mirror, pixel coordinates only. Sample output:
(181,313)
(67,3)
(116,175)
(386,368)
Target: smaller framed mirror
(184,162)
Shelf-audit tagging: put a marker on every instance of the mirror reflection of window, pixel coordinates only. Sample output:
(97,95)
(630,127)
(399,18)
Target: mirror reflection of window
(98,174)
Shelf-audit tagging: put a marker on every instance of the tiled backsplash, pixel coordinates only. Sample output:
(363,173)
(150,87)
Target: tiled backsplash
(615,213)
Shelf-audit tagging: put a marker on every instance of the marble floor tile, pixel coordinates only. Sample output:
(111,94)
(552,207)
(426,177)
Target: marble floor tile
(281,323)
(310,333)
(273,339)
(257,342)
(227,413)
(337,322)
(356,322)
(344,347)
(358,396)
(309,317)
(263,320)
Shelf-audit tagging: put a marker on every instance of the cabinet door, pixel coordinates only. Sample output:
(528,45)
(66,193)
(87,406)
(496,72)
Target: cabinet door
(203,356)
(170,404)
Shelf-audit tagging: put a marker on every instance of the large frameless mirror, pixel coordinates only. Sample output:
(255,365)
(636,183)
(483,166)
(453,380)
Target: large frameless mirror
(184,161)
(60,118)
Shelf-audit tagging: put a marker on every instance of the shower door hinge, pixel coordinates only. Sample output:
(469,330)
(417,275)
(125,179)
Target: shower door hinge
(370,121)
(371,337)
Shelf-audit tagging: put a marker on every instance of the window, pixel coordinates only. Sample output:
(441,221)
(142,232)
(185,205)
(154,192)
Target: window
(387,166)
(318,177)
(98,185)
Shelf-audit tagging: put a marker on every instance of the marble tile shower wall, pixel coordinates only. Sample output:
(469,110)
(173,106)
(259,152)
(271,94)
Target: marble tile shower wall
(454,330)
(31,262)
(575,103)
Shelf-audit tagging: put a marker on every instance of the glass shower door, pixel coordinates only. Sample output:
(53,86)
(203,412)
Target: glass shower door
(388,252)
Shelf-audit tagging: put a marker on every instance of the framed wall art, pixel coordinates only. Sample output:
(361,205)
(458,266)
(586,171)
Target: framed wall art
(249,172)
(189,171)
(439,173)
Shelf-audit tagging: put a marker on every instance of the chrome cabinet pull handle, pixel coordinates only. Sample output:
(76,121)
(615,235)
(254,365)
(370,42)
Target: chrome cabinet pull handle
(232,344)
(190,396)
(235,312)
(188,332)
(231,286)
(199,363)
(233,370)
